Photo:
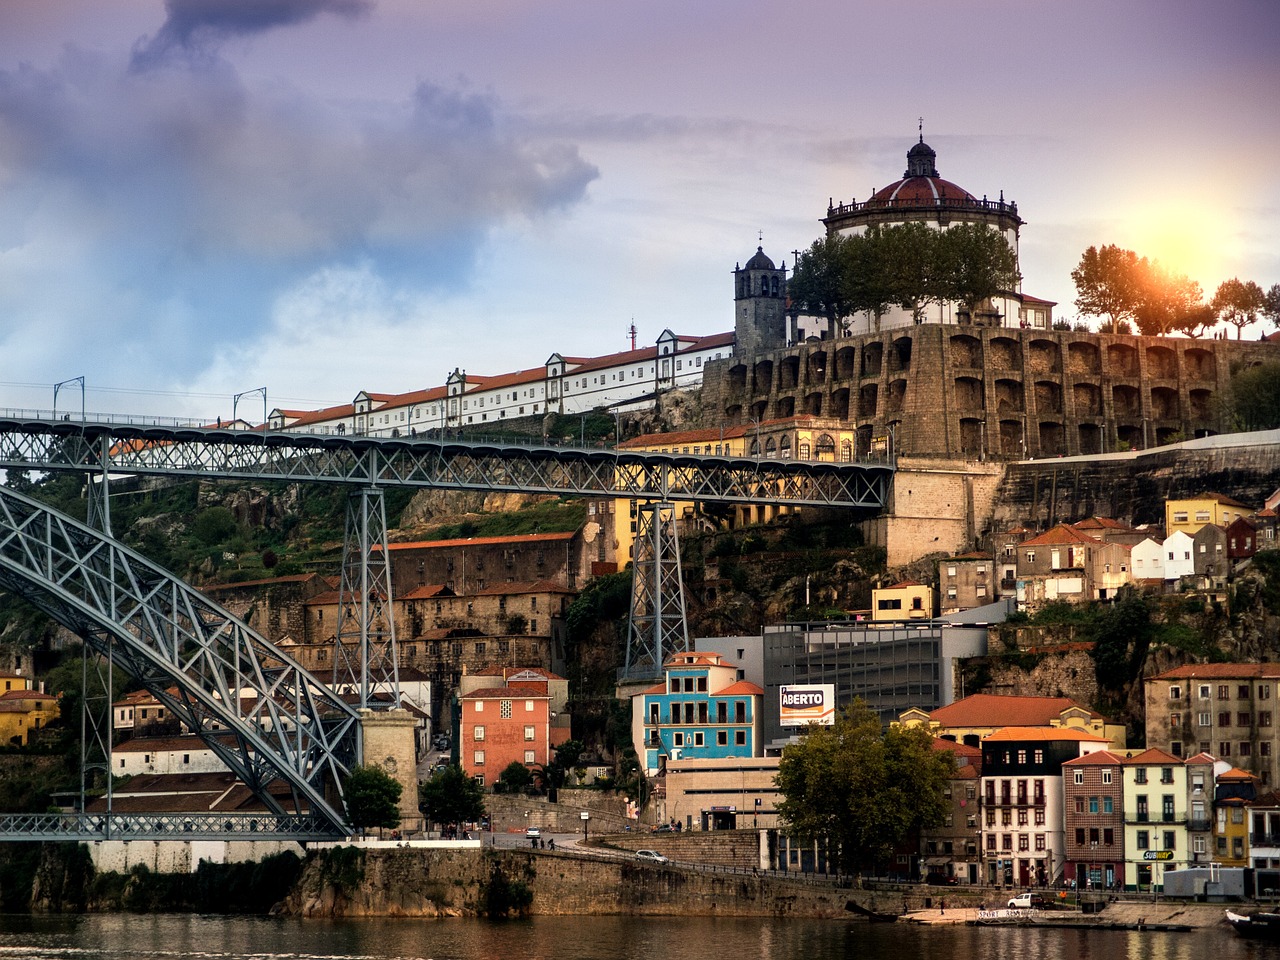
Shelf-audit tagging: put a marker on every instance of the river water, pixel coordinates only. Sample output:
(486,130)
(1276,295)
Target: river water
(177,937)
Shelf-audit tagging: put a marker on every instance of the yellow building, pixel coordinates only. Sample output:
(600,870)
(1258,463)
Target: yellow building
(1191,514)
(909,600)
(978,715)
(791,438)
(23,710)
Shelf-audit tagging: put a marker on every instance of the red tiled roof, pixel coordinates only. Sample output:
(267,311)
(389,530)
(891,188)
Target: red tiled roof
(505,672)
(521,586)
(427,591)
(1043,733)
(1062,533)
(512,691)
(991,710)
(1152,756)
(26,695)
(1101,523)
(1099,758)
(266,582)
(1220,671)
(1202,758)
(482,541)
(740,689)
(683,436)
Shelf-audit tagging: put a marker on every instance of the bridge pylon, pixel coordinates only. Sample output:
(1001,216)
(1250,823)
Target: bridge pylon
(657,626)
(365,660)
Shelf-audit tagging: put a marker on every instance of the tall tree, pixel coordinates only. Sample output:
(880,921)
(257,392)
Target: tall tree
(1271,306)
(1167,301)
(819,283)
(1255,396)
(450,796)
(372,798)
(975,263)
(911,253)
(860,790)
(1239,303)
(1108,283)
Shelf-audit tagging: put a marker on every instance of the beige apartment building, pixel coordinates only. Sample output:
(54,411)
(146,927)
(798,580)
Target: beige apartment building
(1224,709)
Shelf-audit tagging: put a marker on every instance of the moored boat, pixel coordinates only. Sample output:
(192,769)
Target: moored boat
(1261,924)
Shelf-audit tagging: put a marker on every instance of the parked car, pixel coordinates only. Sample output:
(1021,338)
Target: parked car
(1026,901)
(652,855)
(940,880)
(533,833)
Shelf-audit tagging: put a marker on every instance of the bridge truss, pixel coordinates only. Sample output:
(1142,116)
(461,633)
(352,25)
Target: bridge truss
(198,660)
(284,734)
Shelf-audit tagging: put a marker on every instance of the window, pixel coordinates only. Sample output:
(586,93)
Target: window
(722,738)
(1093,804)
(1224,691)
(505,709)
(1022,818)
(1108,836)
(1175,692)
(1079,836)
(1175,720)
(1143,840)
(1166,774)
(1079,776)
(1170,840)
(1039,816)
(1024,842)
(1140,775)
(530,757)
(1079,804)
(677,739)
(1106,776)
(1039,841)
(1264,718)
(1224,748)
(479,732)
(477,758)
(1264,691)
(1205,720)
(1224,718)
(1243,720)
(1108,805)
(698,739)
(740,738)
(528,733)
(1204,687)
(1166,808)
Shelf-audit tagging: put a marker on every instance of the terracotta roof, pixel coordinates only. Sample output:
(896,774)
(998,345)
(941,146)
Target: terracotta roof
(520,586)
(1099,758)
(683,436)
(427,591)
(26,695)
(1235,774)
(165,744)
(1151,757)
(743,688)
(505,672)
(1062,533)
(1201,758)
(1220,671)
(266,582)
(959,749)
(1023,734)
(991,710)
(1101,523)
(483,541)
(513,691)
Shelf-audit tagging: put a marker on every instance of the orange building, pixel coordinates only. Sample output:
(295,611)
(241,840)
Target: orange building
(502,725)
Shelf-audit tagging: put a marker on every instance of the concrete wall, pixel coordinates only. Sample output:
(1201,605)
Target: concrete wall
(173,856)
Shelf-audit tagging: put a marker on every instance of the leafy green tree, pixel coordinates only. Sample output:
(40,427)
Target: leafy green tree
(516,778)
(819,284)
(1167,301)
(569,753)
(1255,396)
(450,796)
(1108,283)
(1121,635)
(372,798)
(1271,305)
(1198,321)
(975,263)
(860,790)
(1239,303)
(911,255)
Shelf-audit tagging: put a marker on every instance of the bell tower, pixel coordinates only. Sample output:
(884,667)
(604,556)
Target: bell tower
(760,299)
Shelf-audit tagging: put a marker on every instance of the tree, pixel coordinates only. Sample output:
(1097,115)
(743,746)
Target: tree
(859,790)
(450,796)
(819,282)
(1167,301)
(1108,283)
(516,778)
(911,256)
(569,753)
(1271,305)
(975,263)
(1255,396)
(1239,303)
(373,798)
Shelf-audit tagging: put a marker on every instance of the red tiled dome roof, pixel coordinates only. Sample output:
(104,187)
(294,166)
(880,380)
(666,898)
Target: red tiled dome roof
(920,190)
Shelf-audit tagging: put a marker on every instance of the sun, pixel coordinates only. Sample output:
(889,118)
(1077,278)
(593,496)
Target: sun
(1188,239)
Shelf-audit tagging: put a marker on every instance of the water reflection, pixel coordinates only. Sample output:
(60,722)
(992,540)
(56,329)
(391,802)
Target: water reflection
(586,938)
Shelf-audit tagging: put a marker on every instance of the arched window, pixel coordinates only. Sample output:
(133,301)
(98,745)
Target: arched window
(770,449)
(755,448)
(784,445)
(804,449)
(775,286)
(826,447)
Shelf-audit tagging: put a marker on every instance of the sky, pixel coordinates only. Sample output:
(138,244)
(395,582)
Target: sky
(200,198)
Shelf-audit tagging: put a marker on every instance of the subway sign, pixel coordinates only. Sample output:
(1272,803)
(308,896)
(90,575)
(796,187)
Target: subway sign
(1157,855)
(813,703)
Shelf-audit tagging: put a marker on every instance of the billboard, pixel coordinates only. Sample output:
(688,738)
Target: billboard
(803,705)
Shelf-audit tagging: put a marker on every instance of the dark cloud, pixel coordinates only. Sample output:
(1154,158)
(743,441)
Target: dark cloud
(167,209)
(198,26)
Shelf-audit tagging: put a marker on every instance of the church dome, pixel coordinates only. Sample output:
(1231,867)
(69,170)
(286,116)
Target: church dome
(759,261)
(921,190)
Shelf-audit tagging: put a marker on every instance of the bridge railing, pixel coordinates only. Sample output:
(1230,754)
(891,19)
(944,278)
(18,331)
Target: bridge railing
(161,826)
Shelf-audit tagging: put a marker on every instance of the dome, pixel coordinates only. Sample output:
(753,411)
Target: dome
(926,190)
(759,261)
(921,149)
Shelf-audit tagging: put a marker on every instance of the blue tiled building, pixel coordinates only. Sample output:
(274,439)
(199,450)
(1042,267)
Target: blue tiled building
(701,710)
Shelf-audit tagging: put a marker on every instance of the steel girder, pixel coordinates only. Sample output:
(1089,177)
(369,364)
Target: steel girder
(365,661)
(657,626)
(211,670)
(163,826)
(368,461)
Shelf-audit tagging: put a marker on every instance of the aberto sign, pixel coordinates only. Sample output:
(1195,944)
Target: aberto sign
(813,703)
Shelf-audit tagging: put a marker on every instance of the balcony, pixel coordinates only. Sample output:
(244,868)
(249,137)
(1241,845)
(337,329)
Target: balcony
(1202,825)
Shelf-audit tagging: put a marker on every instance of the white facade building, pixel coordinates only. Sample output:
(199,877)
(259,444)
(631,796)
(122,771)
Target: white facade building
(1148,560)
(1179,556)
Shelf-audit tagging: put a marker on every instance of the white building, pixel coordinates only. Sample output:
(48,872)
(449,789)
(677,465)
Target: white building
(163,755)
(1148,560)
(1179,556)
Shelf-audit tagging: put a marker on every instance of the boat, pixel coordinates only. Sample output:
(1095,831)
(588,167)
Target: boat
(1260,925)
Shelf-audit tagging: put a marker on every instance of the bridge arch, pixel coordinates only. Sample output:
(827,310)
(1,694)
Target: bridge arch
(287,728)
